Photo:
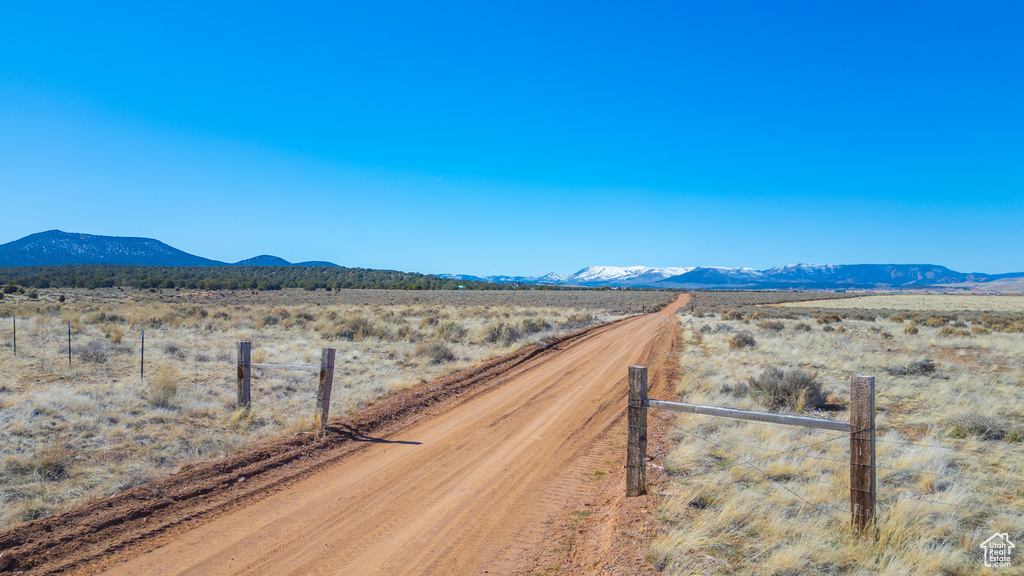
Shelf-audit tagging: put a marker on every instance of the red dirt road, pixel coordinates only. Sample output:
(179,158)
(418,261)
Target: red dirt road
(471,489)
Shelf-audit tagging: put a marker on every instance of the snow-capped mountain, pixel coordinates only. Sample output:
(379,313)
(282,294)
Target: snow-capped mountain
(627,275)
(814,276)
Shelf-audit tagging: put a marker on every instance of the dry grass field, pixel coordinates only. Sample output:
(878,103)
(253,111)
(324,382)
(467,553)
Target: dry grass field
(751,498)
(70,435)
(926,302)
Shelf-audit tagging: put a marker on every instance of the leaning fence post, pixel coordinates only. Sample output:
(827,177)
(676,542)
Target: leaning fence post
(636,444)
(244,373)
(323,393)
(862,452)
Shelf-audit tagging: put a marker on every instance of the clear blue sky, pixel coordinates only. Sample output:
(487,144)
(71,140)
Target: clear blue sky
(522,138)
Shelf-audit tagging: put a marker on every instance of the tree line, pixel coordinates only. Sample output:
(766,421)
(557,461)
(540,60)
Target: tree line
(232,278)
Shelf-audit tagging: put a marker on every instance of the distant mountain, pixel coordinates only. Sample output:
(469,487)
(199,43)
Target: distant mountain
(57,248)
(268,260)
(798,276)
(263,260)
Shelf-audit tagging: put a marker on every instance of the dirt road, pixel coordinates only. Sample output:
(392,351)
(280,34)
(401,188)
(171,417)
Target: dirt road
(470,490)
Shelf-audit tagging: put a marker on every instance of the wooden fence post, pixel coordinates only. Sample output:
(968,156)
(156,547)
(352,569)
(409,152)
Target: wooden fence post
(69,344)
(636,444)
(244,374)
(862,453)
(14,318)
(323,393)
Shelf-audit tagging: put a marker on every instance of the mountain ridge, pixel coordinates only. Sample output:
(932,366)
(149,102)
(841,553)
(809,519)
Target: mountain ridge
(793,276)
(58,248)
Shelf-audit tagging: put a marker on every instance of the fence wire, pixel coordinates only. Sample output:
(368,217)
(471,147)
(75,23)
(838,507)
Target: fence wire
(888,500)
(763,473)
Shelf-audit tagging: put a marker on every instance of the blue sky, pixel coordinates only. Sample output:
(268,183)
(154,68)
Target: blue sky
(522,138)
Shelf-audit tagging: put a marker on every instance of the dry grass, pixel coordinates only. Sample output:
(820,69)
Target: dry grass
(924,302)
(750,498)
(72,435)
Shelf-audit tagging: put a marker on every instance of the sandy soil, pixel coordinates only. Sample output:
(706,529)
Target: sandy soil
(512,468)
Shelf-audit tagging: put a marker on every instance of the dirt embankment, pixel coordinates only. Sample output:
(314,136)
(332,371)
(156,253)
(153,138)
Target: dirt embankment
(461,475)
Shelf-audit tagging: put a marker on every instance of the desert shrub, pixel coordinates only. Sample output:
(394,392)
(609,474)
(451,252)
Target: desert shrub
(93,351)
(965,425)
(898,318)
(175,350)
(796,390)
(936,321)
(980,330)
(451,331)
(1015,435)
(829,318)
(534,325)
(732,315)
(742,340)
(919,368)
(61,298)
(949,332)
(802,327)
(738,391)
(864,316)
(52,465)
(435,352)
(502,333)
(827,328)
(164,386)
(10,289)
(911,330)
(578,321)
(33,295)
(429,320)
(356,327)
(773,325)
(102,317)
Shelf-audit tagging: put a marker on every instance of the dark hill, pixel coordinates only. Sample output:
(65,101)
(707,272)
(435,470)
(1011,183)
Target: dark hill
(56,248)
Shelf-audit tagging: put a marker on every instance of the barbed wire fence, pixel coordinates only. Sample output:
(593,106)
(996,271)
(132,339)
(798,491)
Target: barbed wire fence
(887,497)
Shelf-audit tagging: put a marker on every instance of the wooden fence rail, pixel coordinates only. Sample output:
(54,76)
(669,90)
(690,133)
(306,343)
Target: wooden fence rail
(861,428)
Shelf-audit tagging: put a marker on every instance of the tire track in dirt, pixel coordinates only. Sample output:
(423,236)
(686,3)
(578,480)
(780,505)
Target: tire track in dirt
(465,487)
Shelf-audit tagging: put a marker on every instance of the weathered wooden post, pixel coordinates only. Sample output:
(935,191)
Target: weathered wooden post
(69,344)
(323,393)
(244,374)
(142,358)
(636,443)
(14,318)
(862,453)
